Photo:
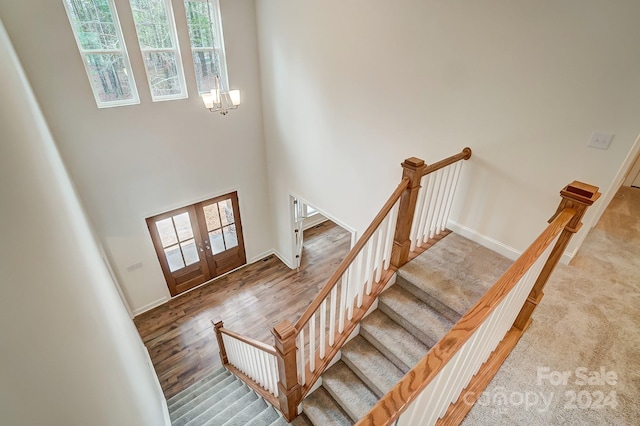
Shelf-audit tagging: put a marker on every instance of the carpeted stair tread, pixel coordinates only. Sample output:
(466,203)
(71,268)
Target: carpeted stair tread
(346,388)
(217,374)
(376,371)
(217,391)
(414,315)
(301,420)
(455,272)
(213,405)
(322,410)
(267,417)
(199,388)
(395,342)
(212,418)
(245,414)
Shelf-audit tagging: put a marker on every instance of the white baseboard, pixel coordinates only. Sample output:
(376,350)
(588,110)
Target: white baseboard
(150,306)
(312,221)
(260,256)
(483,240)
(500,248)
(283,259)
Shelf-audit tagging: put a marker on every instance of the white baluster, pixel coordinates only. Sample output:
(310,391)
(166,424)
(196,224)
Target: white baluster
(359,276)
(423,230)
(393,217)
(438,208)
(332,314)
(449,171)
(380,245)
(456,174)
(343,301)
(371,262)
(312,342)
(415,224)
(351,283)
(303,364)
(323,326)
(433,205)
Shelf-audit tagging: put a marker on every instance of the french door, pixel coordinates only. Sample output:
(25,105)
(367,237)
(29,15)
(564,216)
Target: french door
(198,242)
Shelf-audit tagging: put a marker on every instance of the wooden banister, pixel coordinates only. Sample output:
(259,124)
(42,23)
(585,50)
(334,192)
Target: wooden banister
(389,408)
(464,155)
(249,341)
(578,196)
(217,326)
(413,170)
(289,389)
(357,248)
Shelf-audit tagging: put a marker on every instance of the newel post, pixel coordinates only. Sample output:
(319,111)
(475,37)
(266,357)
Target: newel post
(217,325)
(577,196)
(289,390)
(412,169)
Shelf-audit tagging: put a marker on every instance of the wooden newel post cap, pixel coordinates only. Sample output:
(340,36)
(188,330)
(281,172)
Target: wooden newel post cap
(581,192)
(412,163)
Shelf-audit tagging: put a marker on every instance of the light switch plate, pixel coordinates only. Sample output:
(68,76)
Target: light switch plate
(600,140)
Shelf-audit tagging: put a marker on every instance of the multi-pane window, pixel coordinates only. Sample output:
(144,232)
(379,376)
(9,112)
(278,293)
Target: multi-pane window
(99,38)
(207,44)
(221,226)
(158,40)
(178,241)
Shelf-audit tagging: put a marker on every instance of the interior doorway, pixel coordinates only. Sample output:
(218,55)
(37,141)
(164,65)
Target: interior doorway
(305,216)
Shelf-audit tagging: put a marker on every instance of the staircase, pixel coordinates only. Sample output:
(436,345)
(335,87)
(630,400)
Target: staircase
(431,293)
(221,399)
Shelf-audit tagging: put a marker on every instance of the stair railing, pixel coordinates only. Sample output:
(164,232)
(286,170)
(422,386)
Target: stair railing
(445,384)
(304,350)
(331,318)
(251,360)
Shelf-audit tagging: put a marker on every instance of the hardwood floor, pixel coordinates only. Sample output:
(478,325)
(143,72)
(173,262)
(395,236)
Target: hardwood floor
(250,301)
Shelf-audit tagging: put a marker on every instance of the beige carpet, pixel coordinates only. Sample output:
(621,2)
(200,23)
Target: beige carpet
(588,322)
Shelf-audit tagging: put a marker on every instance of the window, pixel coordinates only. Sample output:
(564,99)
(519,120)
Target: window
(99,38)
(158,40)
(207,44)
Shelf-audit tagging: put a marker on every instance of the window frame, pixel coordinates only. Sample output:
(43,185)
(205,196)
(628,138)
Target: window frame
(217,31)
(173,33)
(135,98)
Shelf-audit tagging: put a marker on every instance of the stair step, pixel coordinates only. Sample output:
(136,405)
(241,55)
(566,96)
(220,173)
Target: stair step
(198,388)
(322,410)
(414,315)
(245,415)
(348,390)
(456,272)
(269,416)
(371,366)
(213,405)
(207,378)
(220,389)
(395,342)
(212,417)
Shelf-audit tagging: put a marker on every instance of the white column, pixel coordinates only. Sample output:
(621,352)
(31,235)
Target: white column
(70,353)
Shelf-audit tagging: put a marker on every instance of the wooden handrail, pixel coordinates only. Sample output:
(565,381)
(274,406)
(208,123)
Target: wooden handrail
(346,262)
(464,155)
(249,341)
(397,400)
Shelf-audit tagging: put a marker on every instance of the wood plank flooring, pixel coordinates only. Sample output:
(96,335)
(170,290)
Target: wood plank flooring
(179,335)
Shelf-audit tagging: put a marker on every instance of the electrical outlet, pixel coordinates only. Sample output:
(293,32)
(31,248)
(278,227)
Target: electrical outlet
(133,267)
(600,140)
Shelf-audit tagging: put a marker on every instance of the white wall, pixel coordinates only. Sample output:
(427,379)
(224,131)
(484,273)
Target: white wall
(131,162)
(70,353)
(358,86)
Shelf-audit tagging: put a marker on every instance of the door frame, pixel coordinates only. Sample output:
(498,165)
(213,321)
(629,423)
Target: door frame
(188,202)
(292,225)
